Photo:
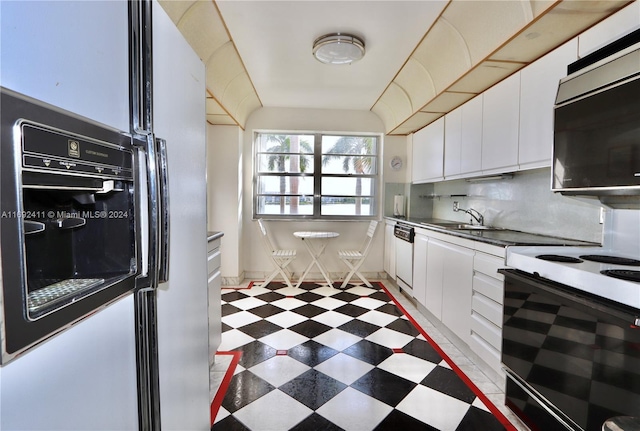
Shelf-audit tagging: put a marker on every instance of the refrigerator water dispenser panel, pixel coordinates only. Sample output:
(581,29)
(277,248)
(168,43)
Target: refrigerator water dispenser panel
(69,237)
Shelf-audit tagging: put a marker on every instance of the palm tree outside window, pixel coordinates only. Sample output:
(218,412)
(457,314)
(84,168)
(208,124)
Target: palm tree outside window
(315,175)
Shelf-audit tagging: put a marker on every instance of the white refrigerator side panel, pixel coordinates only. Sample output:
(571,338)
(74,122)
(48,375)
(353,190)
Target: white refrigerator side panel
(83,379)
(179,118)
(73,55)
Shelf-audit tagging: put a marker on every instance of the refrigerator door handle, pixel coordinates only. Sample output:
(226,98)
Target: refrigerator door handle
(149,171)
(163,208)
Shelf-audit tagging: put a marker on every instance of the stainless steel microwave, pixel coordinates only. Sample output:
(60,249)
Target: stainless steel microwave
(596,149)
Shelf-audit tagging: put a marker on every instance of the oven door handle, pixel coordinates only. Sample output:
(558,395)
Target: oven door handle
(608,310)
(562,419)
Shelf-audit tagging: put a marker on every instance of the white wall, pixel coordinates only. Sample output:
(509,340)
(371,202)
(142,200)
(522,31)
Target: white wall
(225,194)
(352,233)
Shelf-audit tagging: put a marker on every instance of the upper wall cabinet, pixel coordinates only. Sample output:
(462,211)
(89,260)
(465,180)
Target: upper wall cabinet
(538,88)
(428,153)
(463,140)
(500,119)
(452,143)
(612,28)
(471,137)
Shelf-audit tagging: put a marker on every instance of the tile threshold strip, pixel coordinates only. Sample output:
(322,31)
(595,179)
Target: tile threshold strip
(217,400)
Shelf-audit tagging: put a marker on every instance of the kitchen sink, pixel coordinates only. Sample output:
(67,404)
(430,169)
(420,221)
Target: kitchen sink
(462,226)
(475,227)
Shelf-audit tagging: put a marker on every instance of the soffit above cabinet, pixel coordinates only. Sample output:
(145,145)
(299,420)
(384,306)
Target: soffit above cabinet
(474,45)
(423,58)
(230,96)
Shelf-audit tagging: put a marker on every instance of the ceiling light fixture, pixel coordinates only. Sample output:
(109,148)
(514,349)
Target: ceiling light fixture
(338,48)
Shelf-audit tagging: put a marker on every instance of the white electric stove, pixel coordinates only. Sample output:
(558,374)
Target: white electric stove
(595,270)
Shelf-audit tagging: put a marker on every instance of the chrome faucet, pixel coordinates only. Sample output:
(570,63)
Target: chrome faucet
(475,214)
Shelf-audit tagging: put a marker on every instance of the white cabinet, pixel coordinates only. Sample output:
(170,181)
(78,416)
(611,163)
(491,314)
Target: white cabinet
(428,153)
(471,137)
(487,308)
(435,278)
(452,143)
(448,289)
(420,267)
(389,249)
(463,140)
(456,289)
(500,122)
(214,278)
(612,28)
(538,88)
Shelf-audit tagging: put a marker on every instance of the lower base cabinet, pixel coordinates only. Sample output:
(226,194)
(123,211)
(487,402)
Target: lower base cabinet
(449,278)
(214,285)
(487,309)
(458,283)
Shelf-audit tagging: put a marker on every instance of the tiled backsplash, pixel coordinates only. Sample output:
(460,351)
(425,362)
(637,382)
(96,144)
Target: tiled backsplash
(523,203)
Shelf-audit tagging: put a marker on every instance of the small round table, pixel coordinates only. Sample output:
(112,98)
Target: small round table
(315,251)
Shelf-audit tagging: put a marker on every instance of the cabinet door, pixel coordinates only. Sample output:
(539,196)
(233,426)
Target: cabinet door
(420,268)
(471,136)
(610,29)
(539,85)
(389,251)
(436,252)
(452,142)
(428,153)
(457,290)
(500,116)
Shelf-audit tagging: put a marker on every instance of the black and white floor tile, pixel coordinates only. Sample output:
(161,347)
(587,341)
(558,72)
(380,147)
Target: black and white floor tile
(322,358)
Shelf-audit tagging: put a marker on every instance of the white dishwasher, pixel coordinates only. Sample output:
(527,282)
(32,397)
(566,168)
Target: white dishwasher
(404,234)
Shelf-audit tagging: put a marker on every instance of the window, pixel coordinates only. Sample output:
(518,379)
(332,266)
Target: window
(315,175)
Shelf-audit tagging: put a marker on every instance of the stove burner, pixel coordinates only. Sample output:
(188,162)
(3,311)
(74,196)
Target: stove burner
(559,258)
(611,259)
(623,274)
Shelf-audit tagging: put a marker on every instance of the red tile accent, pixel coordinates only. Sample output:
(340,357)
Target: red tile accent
(397,350)
(281,352)
(222,390)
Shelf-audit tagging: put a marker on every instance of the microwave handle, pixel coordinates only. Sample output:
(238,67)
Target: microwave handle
(164,227)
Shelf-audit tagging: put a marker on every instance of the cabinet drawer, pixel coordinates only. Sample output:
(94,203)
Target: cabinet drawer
(489,287)
(488,265)
(213,283)
(485,351)
(213,261)
(487,330)
(212,245)
(487,308)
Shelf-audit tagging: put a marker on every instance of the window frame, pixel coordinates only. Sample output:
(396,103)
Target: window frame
(317,175)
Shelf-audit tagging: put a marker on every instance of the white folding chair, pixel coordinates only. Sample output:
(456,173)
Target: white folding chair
(280,258)
(354,258)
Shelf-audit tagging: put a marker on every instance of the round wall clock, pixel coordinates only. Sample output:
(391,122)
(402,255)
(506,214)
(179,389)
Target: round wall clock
(396,163)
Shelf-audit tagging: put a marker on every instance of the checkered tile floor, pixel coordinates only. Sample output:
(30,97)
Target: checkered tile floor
(322,358)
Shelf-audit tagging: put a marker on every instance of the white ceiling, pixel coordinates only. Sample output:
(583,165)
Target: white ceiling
(275,38)
(423,58)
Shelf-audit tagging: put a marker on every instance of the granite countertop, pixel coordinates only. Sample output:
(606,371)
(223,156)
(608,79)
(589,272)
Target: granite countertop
(502,237)
(213,235)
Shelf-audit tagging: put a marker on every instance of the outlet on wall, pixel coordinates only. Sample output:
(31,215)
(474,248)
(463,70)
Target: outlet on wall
(455,205)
